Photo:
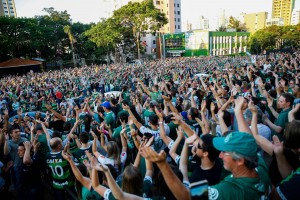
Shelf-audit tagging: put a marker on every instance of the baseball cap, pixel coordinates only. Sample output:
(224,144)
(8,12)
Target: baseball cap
(106,104)
(239,142)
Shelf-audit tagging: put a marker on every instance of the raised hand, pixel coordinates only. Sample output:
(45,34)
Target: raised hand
(252,107)
(27,145)
(278,146)
(49,107)
(239,103)
(199,121)
(159,114)
(130,121)
(179,132)
(270,101)
(87,164)
(177,119)
(66,155)
(94,135)
(295,108)
(149,154)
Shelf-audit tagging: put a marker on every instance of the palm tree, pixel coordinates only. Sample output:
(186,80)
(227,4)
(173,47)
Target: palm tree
(67,30)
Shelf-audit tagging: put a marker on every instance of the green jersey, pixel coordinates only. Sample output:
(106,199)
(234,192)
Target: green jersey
(146,116)
(116,134)
(44,148)
(110,119)
(60,169)
(79,155)
(243,187)
(156,96)
(126,96)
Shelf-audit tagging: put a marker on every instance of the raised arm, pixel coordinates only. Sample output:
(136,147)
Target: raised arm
(45,130)
(265,144)
(178,120)
(162,131)
(27,158)
(56,113)
(242,124)
(222,123)
(144,87)
(135,121)
(174,147)
(270,105)
(86,182)
(183,166)
(293,112)
(204,120)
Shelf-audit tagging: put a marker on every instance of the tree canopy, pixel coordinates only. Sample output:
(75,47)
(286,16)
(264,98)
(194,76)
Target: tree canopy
(275,37)
(236,24)
(128,22)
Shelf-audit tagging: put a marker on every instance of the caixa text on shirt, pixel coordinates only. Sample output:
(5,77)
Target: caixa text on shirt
(56,160)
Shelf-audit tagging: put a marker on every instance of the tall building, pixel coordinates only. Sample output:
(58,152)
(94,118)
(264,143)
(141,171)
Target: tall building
(295,19)
(222,19)
(254,21)
(172,10)
(8,8)
(283,9)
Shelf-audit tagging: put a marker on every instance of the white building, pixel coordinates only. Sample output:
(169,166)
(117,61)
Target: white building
(275,21)
(221,18)
(295,19)
(172,10)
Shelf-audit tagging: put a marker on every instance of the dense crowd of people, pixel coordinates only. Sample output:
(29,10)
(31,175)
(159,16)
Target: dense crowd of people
(176,128)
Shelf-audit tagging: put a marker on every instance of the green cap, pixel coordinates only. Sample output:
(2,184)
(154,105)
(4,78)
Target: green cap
(239,142)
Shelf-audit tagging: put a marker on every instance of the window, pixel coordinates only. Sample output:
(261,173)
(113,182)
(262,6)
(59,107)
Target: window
(6,11)
(174,4)
(178,19)
(178,26)
(167,5)
(175,26)
(178,13)
(175,12)
(157,2)
(175,19)
(178,5)
(153,42)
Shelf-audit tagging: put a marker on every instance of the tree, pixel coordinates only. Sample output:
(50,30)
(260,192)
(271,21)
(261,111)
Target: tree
(105,34)
(67,30)
(127,23)
(275,37)
(54,36)
(236,24)
(140,17)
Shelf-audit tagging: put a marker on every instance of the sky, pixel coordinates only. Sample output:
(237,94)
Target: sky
(87,11)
